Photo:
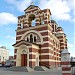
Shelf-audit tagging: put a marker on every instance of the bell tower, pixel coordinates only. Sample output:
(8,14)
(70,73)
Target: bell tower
(38,39)
(33,13)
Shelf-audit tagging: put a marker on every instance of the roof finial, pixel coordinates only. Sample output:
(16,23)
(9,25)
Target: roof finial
(32,3)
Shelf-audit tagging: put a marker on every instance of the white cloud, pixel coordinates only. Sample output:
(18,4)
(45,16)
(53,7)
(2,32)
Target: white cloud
(7,18)
(70,45)
(11,37)
(71,49)
(59,8)
(20,4)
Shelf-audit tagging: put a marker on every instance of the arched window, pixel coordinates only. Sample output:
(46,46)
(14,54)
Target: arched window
(34,38)
(31,38)
(31,20)
(41,21)
(21,25)
(48,17)
(27,39)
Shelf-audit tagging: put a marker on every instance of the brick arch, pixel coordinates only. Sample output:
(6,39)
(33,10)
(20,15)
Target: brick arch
(20,52)
(31,18)
(32,31)
(23,47)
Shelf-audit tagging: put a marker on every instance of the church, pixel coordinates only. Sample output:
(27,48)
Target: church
(39,40)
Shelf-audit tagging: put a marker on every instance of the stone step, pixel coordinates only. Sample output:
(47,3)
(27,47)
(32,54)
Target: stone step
(29,69)
(55,69)
(40,68)
(45,68)
(22,69)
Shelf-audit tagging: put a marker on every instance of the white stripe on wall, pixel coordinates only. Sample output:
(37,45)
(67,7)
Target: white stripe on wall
(66,71)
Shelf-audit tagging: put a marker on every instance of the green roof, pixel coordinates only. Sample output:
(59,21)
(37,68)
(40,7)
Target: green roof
(53,21)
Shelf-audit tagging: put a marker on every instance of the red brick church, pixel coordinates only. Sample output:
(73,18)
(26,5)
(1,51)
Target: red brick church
(39,40)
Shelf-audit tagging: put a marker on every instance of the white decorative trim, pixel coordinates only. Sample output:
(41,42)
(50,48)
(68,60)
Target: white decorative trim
(62,42)
(39,43)
(48,42)
(19,43)
(62,46)
(66,65)
(29,46)
(47,60)
(19,35)
(26,24)
(43,31)
(32,53)
(56,56)
(48,37)
(66,72)
(47,48)
(26,21)
(46,54)
(57,52)
(60,38)
(33,47)
(32,59)
(58,61)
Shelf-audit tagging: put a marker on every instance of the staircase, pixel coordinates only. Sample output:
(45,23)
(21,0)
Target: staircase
(40,68)
(29,69)
(21,69)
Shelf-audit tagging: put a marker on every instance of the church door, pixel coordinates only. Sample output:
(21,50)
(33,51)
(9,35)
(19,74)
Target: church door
(23,59)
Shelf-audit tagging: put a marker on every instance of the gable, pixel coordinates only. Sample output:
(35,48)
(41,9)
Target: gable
(22,42)
(32,7)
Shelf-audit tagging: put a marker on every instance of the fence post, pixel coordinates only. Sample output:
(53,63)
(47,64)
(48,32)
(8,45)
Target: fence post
(65,62)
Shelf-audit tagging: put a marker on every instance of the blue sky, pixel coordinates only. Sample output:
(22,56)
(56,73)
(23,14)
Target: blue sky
(62,12)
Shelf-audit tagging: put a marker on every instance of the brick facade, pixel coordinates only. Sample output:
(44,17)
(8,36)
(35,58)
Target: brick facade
(41,43)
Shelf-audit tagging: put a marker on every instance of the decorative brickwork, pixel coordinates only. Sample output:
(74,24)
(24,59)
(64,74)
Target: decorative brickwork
(40,38)
(65,62)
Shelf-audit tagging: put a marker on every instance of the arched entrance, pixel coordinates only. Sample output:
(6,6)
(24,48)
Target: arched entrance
(24,58)
(31,20)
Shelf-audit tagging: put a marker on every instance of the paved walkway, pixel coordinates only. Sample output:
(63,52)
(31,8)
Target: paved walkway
(52,72)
